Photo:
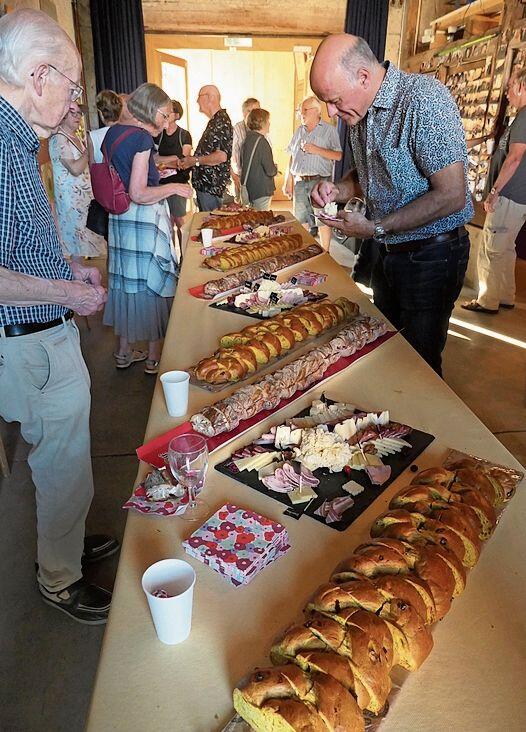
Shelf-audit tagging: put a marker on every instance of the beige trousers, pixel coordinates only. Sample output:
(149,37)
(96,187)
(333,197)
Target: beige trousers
(45,385)
(496,257)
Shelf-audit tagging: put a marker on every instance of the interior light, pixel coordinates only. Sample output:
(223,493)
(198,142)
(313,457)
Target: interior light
(489,333)
(458,335)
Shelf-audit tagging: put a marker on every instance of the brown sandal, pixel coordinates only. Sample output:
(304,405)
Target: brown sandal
(151,366)
(125,360)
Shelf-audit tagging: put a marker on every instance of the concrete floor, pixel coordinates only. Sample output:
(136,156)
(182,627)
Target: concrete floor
(47,662)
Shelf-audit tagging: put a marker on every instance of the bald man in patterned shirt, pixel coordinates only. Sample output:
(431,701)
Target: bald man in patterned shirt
(409,160)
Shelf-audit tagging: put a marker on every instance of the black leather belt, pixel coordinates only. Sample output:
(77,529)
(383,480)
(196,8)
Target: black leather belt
(314,177)
(415,246)
(11,331)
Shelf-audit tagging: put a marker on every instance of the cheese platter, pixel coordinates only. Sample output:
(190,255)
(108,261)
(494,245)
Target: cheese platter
(329,462)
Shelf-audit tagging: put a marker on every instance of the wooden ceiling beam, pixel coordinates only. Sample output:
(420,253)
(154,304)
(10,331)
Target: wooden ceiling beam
(243,17)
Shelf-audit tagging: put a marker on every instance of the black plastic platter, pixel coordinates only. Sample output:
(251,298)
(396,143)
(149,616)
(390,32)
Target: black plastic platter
(330,485)
(239,311)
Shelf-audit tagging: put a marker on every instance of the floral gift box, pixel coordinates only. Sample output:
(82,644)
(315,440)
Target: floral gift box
(238,543)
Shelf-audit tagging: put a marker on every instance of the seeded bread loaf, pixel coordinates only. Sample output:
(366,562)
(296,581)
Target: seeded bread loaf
(376,611)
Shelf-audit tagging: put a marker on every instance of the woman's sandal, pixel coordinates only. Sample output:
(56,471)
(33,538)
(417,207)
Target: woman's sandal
(151,366)
(124,361)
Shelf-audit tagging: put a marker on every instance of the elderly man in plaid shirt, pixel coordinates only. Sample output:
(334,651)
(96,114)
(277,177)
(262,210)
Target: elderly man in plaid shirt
(44,382)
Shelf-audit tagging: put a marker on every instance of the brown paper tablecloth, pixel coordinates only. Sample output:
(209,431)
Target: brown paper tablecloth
(475,678)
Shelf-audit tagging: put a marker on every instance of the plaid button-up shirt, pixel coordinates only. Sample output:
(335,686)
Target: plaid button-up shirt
(28,237)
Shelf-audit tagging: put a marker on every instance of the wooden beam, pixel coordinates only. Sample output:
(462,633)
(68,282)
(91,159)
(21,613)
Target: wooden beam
(240,16)
(458,16)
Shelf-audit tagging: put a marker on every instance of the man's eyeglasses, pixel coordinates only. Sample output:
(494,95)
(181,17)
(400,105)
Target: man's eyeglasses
(303,111)
(76,90)
(165,116)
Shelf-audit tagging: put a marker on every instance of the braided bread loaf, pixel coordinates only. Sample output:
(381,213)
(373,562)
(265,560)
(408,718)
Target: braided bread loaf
(267,393)
(257,270)
(241,354)
(250,218)
(375,612)
(233,257)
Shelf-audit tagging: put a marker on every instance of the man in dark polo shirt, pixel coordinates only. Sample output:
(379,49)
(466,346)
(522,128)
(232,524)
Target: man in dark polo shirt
(211,160)
(44,382)
(409,160)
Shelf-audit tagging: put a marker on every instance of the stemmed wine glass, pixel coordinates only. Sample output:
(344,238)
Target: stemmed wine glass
(188,461)
(353,205)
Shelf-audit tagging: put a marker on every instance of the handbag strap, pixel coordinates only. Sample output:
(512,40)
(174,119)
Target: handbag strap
(244,182)
(116,143)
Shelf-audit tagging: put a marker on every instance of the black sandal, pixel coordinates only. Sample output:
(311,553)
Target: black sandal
(476,308)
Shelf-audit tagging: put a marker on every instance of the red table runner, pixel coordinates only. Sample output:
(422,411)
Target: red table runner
(154,452)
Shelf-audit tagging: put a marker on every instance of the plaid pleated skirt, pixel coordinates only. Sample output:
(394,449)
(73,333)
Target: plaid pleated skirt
(142,272)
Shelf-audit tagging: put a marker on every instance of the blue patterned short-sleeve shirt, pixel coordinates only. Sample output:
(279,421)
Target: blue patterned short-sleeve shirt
(29,241)
(412,130)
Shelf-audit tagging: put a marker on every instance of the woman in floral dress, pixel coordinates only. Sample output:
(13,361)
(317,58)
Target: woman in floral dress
(73,192)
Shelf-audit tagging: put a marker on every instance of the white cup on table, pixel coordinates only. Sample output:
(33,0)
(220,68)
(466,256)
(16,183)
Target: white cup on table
(175,387)
(206,236)
(172,616)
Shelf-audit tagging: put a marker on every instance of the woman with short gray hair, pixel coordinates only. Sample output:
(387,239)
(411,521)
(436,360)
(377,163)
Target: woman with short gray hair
(142,273)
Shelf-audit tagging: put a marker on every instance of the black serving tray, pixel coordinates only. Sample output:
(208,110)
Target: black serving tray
(330,485)
(239,311)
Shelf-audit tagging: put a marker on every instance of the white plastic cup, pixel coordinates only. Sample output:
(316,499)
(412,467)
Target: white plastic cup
(172,616)
(175,387)
(206,236)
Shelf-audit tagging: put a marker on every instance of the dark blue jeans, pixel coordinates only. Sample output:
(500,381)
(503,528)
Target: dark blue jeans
(416,291)
(207,201)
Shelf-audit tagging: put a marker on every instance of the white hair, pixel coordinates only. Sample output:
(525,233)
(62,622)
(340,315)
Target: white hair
(27,38)
(313,101)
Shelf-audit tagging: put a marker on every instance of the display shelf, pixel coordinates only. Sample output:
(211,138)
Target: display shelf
(466,12)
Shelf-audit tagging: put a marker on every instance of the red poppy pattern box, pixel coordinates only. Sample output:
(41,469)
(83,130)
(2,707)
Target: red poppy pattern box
(238,543)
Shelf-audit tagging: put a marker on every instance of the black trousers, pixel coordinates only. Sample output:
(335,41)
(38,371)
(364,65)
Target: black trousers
(416,291)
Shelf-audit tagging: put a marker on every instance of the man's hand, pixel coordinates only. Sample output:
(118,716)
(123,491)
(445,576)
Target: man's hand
(90,275)
(288,188)
(324,192)
(83,298)
(187,162)
(490,203)
(351,224)
(310,147)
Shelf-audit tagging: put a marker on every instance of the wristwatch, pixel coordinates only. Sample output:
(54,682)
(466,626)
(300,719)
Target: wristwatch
(494,192)
(197,163)
(379,233)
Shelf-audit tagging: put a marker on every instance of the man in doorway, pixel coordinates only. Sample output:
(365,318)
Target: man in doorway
(409,160)
(505,205)
(44,382)
(211,160)
(314,148)
(240,133)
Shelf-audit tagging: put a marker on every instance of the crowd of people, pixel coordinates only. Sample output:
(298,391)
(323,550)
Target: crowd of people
(408,158)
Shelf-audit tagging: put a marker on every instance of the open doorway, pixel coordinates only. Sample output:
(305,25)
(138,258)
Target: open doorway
(274,70)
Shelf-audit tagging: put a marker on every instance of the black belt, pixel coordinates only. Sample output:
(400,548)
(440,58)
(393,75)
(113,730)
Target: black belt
(11,331)
(415,246)
(314,177)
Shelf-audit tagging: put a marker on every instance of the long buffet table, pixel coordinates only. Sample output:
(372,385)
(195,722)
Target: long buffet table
(475,676)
